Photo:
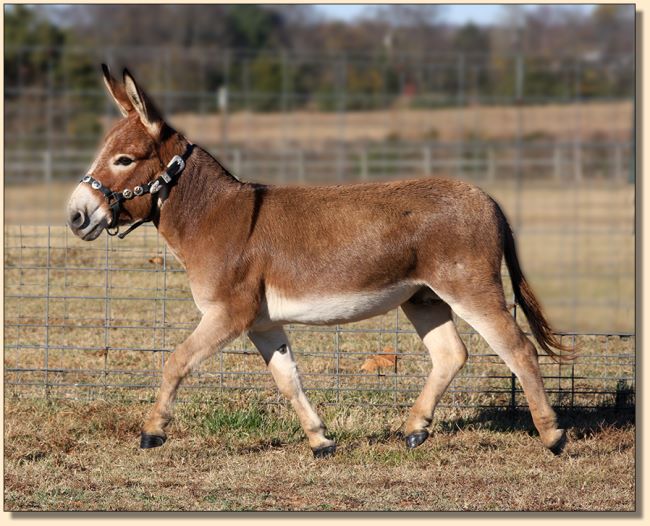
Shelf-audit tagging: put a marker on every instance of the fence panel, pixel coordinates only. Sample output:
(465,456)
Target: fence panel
(99,320)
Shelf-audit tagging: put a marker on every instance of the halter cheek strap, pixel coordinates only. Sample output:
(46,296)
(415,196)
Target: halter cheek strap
(160,186)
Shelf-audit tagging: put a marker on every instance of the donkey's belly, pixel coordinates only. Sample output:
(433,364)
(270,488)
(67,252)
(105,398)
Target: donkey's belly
(328,309)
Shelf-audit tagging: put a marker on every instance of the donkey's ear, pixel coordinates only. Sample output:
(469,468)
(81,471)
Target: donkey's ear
(149,115)
(117,91)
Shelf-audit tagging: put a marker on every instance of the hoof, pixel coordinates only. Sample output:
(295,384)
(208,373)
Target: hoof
(558,447)
(326,451)
(149,441)
(415,439)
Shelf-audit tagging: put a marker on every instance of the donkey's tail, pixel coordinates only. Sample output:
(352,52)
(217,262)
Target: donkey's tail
(526,299)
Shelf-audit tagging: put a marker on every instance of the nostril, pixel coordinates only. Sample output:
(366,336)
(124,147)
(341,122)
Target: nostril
(77,219)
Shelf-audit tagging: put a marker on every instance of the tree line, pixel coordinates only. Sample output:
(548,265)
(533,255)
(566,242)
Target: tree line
(393,54)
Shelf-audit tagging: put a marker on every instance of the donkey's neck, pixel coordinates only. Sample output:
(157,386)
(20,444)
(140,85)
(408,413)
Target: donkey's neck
(202,185)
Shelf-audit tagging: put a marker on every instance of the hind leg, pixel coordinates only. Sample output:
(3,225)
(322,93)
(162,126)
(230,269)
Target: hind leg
(434,324)
(488,314)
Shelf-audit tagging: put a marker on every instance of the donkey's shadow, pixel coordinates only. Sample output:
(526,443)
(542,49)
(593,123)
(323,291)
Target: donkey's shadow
(583,422)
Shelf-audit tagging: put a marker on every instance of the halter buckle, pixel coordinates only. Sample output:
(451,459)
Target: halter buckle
(176,165)
(155,186)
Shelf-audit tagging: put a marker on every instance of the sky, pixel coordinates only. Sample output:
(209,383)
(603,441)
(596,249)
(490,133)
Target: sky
(453,13)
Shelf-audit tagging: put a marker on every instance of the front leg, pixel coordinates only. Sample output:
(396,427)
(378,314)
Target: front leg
(215,330)
(274,347)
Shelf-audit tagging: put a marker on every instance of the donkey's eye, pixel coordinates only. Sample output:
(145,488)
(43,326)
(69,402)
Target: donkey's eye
(123,160)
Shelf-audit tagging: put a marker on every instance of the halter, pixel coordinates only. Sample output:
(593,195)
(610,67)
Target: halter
(161,186)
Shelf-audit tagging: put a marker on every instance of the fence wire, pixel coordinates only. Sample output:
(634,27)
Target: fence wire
(99,320)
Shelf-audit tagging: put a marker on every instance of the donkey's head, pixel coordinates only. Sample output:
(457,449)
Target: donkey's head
(129,158)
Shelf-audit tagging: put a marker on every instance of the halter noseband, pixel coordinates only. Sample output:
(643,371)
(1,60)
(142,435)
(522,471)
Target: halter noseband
(160,186)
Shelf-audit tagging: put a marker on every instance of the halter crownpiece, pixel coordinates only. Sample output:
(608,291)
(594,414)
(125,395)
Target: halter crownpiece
(161,185)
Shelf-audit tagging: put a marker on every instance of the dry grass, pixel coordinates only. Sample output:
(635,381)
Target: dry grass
(241,454)
(316,129)
(238,452)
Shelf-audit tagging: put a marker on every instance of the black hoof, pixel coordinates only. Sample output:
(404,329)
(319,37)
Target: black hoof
(149,441)
(415,439)
(326,451)
(558,447)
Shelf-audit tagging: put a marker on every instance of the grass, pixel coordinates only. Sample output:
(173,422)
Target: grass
(318,129)
(108,331)
(241,453)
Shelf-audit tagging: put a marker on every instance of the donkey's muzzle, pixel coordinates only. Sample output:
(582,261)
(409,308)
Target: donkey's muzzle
(85,215)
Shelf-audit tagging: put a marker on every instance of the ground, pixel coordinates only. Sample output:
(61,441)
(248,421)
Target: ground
(111,311)
(241,453)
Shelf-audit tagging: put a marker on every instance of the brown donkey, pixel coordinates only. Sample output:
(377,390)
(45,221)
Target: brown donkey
(259,257)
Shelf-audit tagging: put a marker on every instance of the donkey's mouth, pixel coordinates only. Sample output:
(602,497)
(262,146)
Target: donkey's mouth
(94,232)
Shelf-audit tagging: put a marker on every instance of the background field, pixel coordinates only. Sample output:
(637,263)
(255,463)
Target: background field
(537,109)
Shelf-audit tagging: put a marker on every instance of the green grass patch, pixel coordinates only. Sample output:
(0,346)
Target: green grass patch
(251,421)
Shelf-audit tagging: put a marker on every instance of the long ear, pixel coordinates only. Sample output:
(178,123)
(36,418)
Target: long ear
(117,91)
(149,115)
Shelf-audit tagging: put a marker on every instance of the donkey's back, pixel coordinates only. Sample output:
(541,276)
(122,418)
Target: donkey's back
(375,235)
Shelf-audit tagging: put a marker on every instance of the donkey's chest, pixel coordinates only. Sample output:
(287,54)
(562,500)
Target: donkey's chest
(331,308)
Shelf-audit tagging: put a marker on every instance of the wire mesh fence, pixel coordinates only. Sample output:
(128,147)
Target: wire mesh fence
(99,321)
(486,163)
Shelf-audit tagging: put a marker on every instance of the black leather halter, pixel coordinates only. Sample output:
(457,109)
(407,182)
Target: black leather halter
(161,186)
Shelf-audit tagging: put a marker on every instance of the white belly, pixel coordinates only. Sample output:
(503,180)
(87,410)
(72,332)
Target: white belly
(330,309)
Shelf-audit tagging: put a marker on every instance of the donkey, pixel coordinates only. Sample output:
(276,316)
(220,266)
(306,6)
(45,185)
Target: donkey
(259,257)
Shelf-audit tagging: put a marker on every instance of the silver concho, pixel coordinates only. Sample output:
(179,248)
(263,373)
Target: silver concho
(96,185)
(128,194)
(86,179)
(138,190)
(154,187)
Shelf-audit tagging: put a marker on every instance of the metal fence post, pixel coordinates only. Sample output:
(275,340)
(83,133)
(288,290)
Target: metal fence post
(618,162)
(577,160)
(426,158)
(491,165)
(47,167)
(513,394)
(557,162)
(236,162)
(363,159)
(301,165)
